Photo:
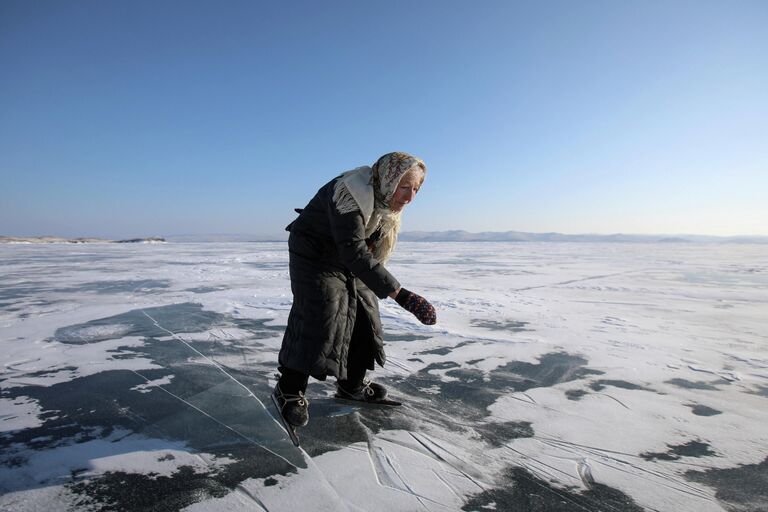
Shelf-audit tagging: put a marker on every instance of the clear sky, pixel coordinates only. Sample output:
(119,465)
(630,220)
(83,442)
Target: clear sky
(140,118)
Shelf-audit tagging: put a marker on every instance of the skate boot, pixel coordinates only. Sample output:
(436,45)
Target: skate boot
(293,408)
(366,391)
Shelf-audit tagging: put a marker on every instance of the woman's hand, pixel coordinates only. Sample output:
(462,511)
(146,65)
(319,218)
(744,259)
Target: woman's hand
(417,305)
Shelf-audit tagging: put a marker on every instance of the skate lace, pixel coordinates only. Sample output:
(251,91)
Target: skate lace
(300,399)
(367,389)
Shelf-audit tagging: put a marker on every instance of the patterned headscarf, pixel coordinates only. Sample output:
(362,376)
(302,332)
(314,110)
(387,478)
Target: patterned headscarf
(387,172)
(369,190)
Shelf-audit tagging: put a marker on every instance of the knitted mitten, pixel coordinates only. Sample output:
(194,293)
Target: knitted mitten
(417,305)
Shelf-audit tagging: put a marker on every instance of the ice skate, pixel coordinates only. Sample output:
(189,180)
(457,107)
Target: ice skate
(293,411)
(367,392)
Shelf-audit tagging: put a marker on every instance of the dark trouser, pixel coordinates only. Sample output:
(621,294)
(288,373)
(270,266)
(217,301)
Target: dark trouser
(359,359)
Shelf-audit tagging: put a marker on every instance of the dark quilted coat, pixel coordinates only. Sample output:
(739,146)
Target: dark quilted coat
(331,270)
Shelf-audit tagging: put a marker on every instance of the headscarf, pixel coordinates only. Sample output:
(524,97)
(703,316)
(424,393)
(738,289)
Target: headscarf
(387,173)
(369,190)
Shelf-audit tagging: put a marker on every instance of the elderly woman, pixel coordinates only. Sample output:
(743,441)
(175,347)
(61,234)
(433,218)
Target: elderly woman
(337,248)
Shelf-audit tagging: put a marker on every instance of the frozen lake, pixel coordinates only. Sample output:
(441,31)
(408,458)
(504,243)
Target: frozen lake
(559,377)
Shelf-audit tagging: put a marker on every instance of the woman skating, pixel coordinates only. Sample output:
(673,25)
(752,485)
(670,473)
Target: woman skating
(338,246)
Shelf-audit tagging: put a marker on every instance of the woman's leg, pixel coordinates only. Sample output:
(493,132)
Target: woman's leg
(292,381)
(360,359)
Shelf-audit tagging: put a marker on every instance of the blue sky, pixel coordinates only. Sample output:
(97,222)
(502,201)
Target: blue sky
(125,118)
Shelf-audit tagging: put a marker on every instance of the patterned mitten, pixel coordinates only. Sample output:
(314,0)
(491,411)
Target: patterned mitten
(417,305)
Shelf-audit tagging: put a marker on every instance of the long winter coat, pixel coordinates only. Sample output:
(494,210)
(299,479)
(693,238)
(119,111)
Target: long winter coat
(331,269)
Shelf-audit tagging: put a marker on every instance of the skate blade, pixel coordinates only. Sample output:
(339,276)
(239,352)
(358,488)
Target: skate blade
(290,429)
(384,402)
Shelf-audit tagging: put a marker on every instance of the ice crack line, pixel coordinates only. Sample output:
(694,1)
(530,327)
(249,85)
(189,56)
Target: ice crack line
(580,280)
(603,457)
(222,370)
(307,458)
(190,404)
(211,361)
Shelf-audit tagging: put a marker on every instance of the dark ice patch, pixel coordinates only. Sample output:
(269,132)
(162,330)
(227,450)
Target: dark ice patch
(380,418)
(24,295)
(335,424)
(186,317)
(83,408)
(693,448)
(401,336)
(117,491)
(121,491)
(98,406)
(575,394)
(257,327)
(332,426)
(442,365)
(442,351)
(503,325)
(93,407)
(703,410)
(553,368)
(11,293)
(599,385)
(499,434)
(51,371)
(741,488)
(688,384)
(760,390)
(523,491)
(200,406)
(470,391)
(206,289)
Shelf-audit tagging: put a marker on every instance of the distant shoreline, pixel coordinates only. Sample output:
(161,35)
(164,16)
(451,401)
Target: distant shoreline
(61,240)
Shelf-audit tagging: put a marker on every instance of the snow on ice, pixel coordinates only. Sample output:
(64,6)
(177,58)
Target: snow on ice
(560,376)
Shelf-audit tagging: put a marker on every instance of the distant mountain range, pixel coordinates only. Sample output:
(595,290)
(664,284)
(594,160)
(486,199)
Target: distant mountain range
(519,236)
(494,236)
(421,236)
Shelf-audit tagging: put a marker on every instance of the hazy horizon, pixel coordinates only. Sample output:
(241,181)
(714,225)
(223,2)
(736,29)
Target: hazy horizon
(284,235)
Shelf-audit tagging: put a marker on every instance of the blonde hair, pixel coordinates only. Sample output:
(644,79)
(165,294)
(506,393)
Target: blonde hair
(417,170)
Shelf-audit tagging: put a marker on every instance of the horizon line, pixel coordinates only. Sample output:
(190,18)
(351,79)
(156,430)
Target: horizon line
(281,236)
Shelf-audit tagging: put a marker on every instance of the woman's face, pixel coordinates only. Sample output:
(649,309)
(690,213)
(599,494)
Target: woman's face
(405,191)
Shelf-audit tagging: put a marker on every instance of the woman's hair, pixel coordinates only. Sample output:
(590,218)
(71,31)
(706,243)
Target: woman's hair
(418,170)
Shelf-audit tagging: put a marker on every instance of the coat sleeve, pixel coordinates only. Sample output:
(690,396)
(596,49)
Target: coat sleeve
(348,233)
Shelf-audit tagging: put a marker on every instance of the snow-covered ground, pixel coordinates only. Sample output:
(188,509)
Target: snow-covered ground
(559,377)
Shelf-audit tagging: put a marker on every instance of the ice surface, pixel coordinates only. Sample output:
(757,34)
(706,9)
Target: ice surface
(559,377)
